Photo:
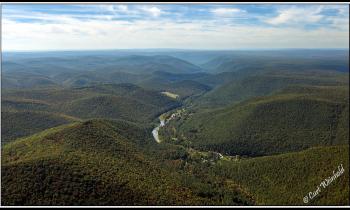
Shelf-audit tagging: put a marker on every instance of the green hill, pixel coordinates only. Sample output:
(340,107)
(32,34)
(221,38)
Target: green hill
(112,107)
(95,77)
(23,79)
(22,104)
(149,64)
(16,124)
(124,101)
(286,179)
(284,122)
(243,127)
(87,70)
(300,60)
(99,162)
(241,87)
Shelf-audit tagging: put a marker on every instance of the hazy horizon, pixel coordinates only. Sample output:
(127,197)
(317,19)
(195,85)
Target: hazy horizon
(170,49)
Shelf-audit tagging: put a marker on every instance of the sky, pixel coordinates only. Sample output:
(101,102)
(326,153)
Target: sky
(32,27)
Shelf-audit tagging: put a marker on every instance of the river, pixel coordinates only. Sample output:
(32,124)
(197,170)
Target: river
(155,131)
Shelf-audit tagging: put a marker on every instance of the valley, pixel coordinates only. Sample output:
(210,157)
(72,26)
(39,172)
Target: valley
(194,128)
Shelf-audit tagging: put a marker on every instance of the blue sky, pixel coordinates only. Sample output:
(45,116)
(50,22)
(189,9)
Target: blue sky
(188,26)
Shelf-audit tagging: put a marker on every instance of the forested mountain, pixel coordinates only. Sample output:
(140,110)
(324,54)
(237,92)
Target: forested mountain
(98,162)
(244,127)
(300,60)
(241,87)
(87,70)
(294,119)
(27,111)
(273,179)
(16,124)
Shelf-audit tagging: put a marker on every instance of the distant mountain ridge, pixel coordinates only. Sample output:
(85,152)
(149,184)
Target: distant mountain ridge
(240,127)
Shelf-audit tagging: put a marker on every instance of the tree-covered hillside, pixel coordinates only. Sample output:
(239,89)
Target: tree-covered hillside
(241,87)
(16,124)
(287,178)
(284,122)
(99,162)
(170,127)
(122,101)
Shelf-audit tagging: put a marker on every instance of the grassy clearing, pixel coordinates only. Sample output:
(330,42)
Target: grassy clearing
(171,95)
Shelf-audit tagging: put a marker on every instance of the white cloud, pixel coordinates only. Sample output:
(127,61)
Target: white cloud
(227,12)
(341,23)
(134,11)
(105,31)
(154,11)
(114,34)
(115,8)
(296,15)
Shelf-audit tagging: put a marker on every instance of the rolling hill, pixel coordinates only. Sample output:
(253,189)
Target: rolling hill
(26,112)
(122,101)
(97,163)
(240,87)
(243,127)
(23,79)
(299,60)
(291,120)
(287,178)
(16,124)
(87,70)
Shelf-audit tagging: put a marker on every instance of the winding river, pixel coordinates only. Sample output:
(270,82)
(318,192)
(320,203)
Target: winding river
(156,130)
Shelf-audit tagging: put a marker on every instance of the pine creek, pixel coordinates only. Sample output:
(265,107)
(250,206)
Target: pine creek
(205,156)
(163,120)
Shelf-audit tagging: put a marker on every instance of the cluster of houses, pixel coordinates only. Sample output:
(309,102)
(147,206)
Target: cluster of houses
(176,114)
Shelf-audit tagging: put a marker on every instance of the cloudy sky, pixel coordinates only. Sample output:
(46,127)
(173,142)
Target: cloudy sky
(186,26)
